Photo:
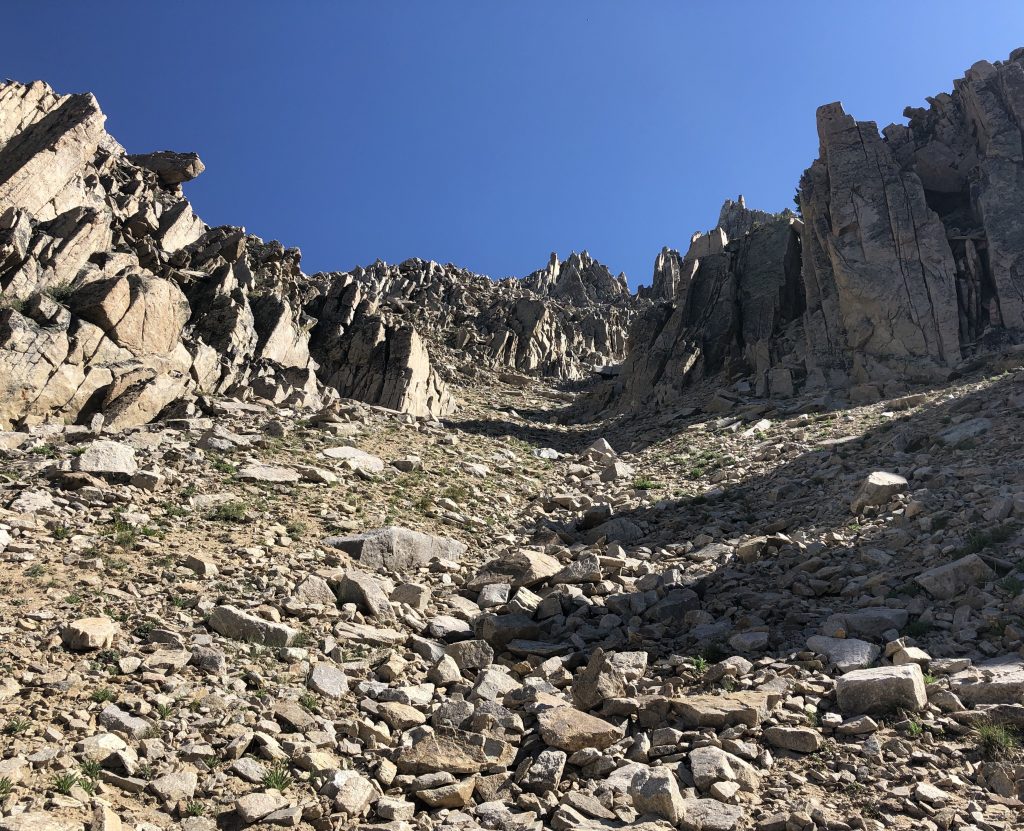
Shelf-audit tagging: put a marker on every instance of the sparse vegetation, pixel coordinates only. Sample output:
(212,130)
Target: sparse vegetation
(64,783)
(278,777)
(996,741)
(16,726)
(230,512)
(102,695)
(195,808)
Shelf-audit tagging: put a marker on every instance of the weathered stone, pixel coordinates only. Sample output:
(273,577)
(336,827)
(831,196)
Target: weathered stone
(877,490)
(397,549)
(949,580)
(90,633)
(881,690)
(241,626)
(566,728)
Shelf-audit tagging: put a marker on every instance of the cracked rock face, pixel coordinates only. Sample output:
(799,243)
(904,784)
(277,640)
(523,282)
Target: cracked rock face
(117,300)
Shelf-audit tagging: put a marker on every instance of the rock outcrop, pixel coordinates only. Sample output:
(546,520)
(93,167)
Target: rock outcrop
(116,299)
(911,261)
(562,321)
(914,251)
(727,306)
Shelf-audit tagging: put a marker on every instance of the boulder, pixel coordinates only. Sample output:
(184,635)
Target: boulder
(881,690)
(397,549)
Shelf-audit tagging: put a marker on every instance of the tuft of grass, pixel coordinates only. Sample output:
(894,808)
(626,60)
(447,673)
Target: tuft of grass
(996,741)
(37,570)
(16,726)
(164,710)
(646,485)
(230,512)
(278,778)
(60,292)
(310,702)
(62,783)
(6,789)
(980,540)
(223,466)
(102,695)
(1012,585)
(90,769)
(195,808)
(700,664)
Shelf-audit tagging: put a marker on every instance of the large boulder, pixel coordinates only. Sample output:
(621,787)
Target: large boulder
(397,549)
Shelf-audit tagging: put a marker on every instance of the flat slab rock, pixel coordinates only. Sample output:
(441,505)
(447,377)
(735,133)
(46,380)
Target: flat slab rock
(267,473)
(570,729)
(996,681)
(241,626)
(454,751)
(356,459)
(397,549)
(747,707)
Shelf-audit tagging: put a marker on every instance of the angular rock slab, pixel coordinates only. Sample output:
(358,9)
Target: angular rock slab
(454,751)
(881,690)
(397,549)
(241,626)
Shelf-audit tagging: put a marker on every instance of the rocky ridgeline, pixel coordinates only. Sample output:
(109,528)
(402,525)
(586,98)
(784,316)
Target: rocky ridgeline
(905,267)
(560,322)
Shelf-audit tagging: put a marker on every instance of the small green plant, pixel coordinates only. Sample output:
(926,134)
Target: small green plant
(6,789)
(124,534)
(929,678)
(230,512)
(37,570)
(15,304)
(1012,585)
(278,778)
(102,695)
(700,664)
(62,783)
(16,726)
(996,741)
(60,291)
(164,710)
(223,466)
(915,729)
(980,540)
(646,485)
(195,808)
(90,769)
(61,531)
(310,702)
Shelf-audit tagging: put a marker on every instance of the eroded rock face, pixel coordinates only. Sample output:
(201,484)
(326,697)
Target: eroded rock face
(728,311)
(116,299)
(878,272)
(914,246)
(561,321)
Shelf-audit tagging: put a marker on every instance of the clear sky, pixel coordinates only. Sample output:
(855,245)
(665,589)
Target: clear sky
(490,134)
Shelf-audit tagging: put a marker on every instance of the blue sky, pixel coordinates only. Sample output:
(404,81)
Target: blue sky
(490,134)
